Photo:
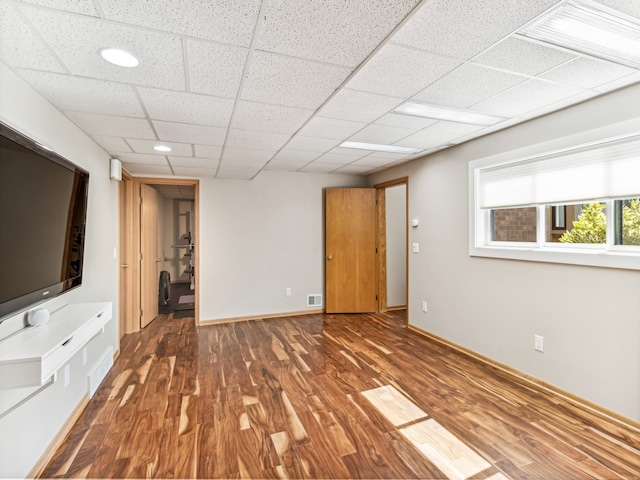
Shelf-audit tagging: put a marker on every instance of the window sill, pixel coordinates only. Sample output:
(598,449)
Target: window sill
(595,257)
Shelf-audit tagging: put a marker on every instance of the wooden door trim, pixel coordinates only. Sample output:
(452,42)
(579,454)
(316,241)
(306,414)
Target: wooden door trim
(134,212)
(126,308)
(381,241)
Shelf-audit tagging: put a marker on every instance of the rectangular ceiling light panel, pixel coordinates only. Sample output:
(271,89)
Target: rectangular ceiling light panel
(381,148)
(590,28)
(447,113)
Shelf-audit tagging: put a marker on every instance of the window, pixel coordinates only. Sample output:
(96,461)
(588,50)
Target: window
(578,205)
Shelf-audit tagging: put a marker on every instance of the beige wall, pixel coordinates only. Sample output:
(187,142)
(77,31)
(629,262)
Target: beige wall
(258,238)
(495,307)
(27,430)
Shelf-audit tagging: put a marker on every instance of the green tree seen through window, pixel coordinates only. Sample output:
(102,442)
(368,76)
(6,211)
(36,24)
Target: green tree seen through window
(591,226)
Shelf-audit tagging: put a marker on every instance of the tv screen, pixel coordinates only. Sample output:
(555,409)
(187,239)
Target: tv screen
(43,205)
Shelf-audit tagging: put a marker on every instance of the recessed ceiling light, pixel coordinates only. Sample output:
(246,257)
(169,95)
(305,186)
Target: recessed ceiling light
(380,148)
(161,148)
(447,113)
(119,57)
(590,28)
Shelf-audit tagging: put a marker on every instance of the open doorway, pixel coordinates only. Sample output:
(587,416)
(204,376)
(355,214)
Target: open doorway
(159,246)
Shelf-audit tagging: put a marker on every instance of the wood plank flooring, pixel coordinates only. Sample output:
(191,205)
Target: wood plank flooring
(327,396)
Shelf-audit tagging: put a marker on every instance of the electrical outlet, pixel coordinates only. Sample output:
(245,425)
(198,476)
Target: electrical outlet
(415,247)
(538,343)
(424,306)
(288,292)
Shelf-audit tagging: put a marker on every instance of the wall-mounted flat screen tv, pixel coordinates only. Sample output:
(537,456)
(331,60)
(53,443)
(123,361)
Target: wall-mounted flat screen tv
(43,206)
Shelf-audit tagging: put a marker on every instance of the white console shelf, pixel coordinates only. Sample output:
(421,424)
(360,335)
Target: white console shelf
(33,355)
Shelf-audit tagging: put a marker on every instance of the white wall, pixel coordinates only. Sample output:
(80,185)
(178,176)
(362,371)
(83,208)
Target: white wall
(589,316)
(396,229)
(27,430)
(259,237)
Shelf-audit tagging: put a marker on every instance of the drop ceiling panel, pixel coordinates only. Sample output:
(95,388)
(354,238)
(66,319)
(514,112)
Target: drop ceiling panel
(143,159)
(351,152)
(262,117)
(186,107)
(524,97)
(20,46)
(381,134)
(465,28)
(193,162)
(68,92)
(84,7)
(112,144)
(235,174)
(77,40)
(373,162)
(290,81)
(358,106)
(426,139)
(311,144)
(523,56)
(468,85)
(625,6)
(354,170)
(111,125)
(295,156)
(284,165)
(320,168)
(256,140)
(335,158)
(623,82)
(215,69)
(190,133)
(401,71)
(233,155)
(404,121)
(588,72)
(195,171)
(220,20)
(144,169)
(453,128)
(208,151)
(330,128)
(146,146)
(333,31)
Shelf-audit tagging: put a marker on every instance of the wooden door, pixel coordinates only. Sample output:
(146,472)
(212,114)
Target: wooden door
(149,258)
(350,261)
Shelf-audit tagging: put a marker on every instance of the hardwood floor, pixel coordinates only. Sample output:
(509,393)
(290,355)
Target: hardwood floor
(327,396)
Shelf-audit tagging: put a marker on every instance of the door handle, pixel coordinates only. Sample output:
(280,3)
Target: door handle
(329,257)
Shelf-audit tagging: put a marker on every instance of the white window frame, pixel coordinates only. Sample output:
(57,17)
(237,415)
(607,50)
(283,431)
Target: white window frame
(602,255)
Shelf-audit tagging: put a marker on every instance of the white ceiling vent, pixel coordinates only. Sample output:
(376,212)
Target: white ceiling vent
(314,300)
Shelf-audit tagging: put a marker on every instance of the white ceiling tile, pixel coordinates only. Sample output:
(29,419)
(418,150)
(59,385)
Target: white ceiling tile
(208,151)
(333,31)
(69,92)
(111,125)
(84,7)
(560,103)
(454,128)
(215,69)
(524,97)
(354,170)
(373,162)
(142,159)
(20,46)
(316,167)
(404,121)
(381,134)
(190,133)
(358,106)
(401,71)
(195,171)
(588,72)
(144,169)
(296,156)
(351,152)
(146,146)
(78,40)
(311,144)
(220,20)
(523,56)
(187,107)
(468,85)
(336,159)
(256,140)
(330,128)
(235,174)
(426,139)
(627,7)
(464,28)
(623,82)
(112,144)
(261,117)
(192,162)
(246,155)
(284,165)
(289,81)
(387,155)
